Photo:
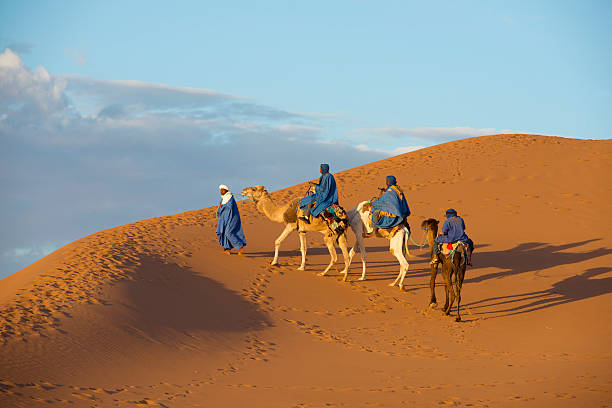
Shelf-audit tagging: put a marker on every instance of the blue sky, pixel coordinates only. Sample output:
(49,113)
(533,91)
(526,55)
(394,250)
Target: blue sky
(112,112)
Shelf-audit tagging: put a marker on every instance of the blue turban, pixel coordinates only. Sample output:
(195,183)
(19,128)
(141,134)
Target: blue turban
(324,168)
(391,181)
(451,212)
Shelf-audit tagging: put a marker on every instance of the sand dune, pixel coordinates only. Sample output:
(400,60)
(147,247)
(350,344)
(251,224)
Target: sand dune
(153,314)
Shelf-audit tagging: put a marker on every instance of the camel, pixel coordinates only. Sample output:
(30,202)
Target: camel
(430,225)
(398,243)
(288,214)
(454,263)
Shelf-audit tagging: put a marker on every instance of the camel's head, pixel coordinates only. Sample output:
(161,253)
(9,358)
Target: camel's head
(254,193)
(365,212)
(430,224)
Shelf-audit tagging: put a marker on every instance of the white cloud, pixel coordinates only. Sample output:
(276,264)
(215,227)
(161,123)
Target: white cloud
(76,56)
(393,152)
(427,133)
(28,96)
(9,59)
(36,251)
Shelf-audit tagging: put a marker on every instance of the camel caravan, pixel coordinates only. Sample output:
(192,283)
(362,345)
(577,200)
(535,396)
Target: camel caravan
(383,217)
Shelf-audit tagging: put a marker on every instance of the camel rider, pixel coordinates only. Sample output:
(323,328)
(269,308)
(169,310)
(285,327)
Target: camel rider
(391,209)
(453,230)
(326,194)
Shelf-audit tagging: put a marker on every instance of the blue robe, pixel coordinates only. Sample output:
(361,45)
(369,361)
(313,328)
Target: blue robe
(325,195)
(229,227)
(453,230)
(391,208)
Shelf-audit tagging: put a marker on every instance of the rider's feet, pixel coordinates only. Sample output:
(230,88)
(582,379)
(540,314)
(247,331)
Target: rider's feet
(304,219)
(227,252)
(241,252)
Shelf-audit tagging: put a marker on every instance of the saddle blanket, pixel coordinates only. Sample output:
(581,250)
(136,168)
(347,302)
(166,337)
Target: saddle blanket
(336,218)
(448,248)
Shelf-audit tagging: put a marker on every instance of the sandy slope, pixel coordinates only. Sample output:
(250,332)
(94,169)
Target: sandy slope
(152,313)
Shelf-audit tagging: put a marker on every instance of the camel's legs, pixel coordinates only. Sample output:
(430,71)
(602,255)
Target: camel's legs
(362,252)
(447,272)
(358,229)
(396,246)
(361,247)
(432,285)
(303,249)
(458,284)
(280,239)
(447,297)
(458,295)
(462,271)
(404,265)
(329,241)
(344,247)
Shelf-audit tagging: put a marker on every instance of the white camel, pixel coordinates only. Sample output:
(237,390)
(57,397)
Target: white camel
(361,225)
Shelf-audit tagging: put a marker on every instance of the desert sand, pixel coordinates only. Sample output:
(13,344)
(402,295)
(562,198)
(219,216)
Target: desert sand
(154,314)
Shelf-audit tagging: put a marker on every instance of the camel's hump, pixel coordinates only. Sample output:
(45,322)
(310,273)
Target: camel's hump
(290,214)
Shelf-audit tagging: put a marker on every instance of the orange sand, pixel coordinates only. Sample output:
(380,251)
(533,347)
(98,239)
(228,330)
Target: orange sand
(153,314)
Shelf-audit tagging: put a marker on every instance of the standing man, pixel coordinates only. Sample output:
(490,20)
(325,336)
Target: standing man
(229,227)
(326,194)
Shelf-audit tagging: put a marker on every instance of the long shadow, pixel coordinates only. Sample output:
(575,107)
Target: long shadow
(583,286)
(167,296)
(529,257)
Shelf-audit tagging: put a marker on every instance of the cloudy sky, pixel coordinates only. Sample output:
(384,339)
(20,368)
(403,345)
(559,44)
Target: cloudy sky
(111,112)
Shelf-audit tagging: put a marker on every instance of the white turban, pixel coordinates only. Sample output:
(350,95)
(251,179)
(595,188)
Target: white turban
(225,197)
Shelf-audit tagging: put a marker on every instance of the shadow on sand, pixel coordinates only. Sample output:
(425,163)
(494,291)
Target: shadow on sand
(583,286)
(536,257)
(167,296)
(530,257)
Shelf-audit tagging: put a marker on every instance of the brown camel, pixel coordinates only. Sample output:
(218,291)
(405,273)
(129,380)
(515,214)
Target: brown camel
(288,215)
(430,226)
(454,264)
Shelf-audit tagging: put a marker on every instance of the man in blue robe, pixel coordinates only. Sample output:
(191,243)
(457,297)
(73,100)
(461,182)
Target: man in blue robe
(326,194)
(453,230)
(391,208)
(229,227)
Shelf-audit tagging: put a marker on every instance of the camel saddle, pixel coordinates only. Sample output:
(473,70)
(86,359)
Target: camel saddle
(386,232)
(446,249)
(336,218)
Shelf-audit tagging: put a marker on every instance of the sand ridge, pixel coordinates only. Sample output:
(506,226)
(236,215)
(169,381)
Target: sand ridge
(153,314)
